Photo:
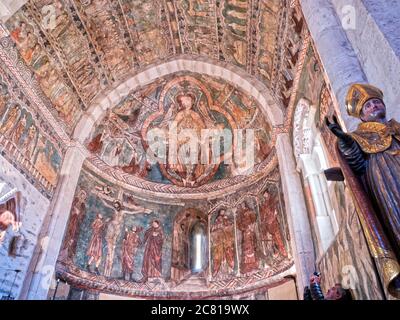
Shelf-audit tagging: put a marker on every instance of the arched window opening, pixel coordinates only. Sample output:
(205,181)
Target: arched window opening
(198,248)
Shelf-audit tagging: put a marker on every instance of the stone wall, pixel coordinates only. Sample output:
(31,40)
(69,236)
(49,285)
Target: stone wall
(374,38)
(34,208)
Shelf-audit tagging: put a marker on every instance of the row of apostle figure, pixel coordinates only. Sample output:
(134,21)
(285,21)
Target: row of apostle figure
(253,241)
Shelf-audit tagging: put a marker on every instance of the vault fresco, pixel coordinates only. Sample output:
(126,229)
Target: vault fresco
(26,140)
(115,238)
(121,139)
(78,48)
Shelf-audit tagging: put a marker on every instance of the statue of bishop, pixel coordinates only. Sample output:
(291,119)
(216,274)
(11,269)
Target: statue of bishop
(373,153)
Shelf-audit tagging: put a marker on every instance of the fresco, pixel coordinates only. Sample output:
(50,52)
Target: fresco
(146,22)
(174,104)
(198,20)
(170,245)
(268,26)
(50,77)
(78,48)
(106,31)
(23,138)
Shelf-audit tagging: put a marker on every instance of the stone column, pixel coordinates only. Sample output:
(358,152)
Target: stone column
(42,267)
(322,206)
(373,33)
(338,57)
(299,224)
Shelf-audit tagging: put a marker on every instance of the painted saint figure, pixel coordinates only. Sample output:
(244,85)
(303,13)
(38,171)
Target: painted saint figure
(19,130)
(77,213)
(270,224)
(229,242)
(9,124)
(246,224)
(180,251)
(28,146)
(94,251)
(223,248)
(129,247)
(152,258)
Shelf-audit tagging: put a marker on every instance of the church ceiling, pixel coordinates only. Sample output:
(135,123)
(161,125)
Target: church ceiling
(78,48)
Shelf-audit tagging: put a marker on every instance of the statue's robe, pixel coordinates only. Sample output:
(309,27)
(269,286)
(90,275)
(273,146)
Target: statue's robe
(374,156)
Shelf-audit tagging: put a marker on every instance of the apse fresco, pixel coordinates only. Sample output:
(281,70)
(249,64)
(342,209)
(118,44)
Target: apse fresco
(23,137)
(172,105)
(171,245)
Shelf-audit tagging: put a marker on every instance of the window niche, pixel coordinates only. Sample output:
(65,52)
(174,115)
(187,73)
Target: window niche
(189,245)
(312,160)
(198,248)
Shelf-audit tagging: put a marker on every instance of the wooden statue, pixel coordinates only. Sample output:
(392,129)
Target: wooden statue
(370,160)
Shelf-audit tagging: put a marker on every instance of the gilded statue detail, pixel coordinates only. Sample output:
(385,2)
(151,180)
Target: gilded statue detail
(372,152)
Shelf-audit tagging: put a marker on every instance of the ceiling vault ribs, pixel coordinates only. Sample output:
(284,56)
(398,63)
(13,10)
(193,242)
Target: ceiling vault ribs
(93,45)
(219,30)
(286,58)
(131,42)
(253,36)
(277,60)
(107,34)
(166,29)
(173,22)
(97,44)
(58,52)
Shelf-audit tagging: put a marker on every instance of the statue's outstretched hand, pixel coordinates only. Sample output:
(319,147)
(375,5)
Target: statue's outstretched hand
(336,128)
